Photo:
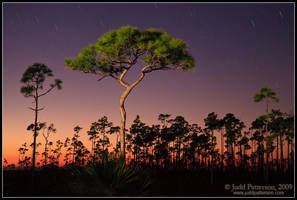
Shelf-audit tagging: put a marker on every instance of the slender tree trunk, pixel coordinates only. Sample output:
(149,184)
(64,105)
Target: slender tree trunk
(222,147)
(116,146)
(123,121)
(292,151)
(45,153)
(73,153)
(271,160)
(288,149)
(212,154)
(179,148)
(277,152)
(240,153)
(212,147)
(92,141)
(123,113)
(267,153)
(35,130)
(232,154)
(244,153)
(281,151)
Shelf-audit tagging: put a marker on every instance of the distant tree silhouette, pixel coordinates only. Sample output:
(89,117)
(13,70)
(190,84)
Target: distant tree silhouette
(48,129)
(204,146)
(5,162)
(233,128)
(289,133)
(212,123)
(137,131)
(93,133)
(24,161)
(267,95)
(79,151)
(68,152)
(281,125)
(243,144)
(180,127)
(75,142)
(220,127)
(165,140)
(117,51)
(100,144)
(33,79)
(116,130)
(194,148)
(104,127)
(56,153)
(36,150)
(258,136)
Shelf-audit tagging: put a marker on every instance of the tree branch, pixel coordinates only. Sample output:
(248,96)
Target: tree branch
(35,109)
(46,91)
(120,62)
(141,76)
(102,77)
(120,79)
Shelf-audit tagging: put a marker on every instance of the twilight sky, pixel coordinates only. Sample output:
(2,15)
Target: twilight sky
(238,49)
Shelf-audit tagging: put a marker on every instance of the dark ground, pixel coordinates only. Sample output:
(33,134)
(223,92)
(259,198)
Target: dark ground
(64,182)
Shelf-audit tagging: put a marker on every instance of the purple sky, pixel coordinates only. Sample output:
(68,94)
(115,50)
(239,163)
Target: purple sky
(238,49)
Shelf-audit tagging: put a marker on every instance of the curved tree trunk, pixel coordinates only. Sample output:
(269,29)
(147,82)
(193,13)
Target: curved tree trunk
(123,115)
(123,122)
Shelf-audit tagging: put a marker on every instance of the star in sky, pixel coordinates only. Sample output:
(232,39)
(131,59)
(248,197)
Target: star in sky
(36,19)
(56,27)
(190,12)
(253,23)
(281,14)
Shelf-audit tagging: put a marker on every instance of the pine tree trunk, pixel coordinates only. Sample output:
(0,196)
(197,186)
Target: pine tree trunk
(45,153)
(281,151)
(292,152)
(123,122)
(272,159)
(233,156)
(222,148)
(239,149)
(116,146)
(277,153)
(288,149)
(123,114)
(35,131)
(211,162)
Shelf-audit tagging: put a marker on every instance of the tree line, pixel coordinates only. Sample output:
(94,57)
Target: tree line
(175,142)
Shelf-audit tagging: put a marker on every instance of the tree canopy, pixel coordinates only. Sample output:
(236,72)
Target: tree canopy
(34,77)
(119,49)
(265,93)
